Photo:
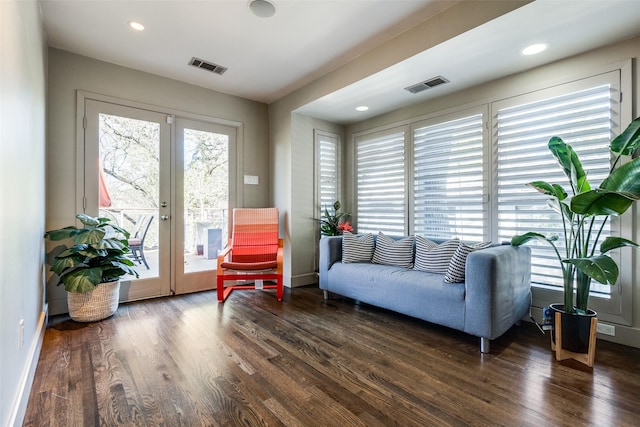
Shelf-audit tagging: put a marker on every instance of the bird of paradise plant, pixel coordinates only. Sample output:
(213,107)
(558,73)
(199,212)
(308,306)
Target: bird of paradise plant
(332,224)
(615,195)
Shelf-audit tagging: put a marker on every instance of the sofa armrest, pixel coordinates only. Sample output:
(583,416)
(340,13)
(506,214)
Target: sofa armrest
(497,283)
(330,253)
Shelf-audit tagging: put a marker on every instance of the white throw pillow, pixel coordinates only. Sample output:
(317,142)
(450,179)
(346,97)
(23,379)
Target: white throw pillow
(357,248)
(455,272)
(432,257)
(390,251)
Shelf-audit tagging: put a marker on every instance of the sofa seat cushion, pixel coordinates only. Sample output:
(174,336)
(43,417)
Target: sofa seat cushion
(414,293)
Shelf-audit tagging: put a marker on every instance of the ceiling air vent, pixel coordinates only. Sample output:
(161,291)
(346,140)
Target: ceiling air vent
(209,66)
(427,84)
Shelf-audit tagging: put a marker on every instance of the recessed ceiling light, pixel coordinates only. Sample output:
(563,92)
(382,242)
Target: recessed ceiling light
(534,49)
(136,25)
(262,8)
(362,108)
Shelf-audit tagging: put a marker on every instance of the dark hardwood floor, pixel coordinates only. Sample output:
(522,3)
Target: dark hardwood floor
(189,361)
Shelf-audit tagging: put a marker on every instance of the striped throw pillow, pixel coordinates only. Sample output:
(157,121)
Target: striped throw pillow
(432,257)
(357,248)
(455,272)
(393,252)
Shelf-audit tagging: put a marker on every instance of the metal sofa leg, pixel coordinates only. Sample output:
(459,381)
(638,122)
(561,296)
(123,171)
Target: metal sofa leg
(325,294)
(485,345)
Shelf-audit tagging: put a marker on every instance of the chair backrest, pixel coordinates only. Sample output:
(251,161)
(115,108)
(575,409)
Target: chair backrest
(255,234)
(142,226)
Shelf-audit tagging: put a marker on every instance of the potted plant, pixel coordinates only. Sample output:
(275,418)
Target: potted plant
(331,224)
(91,268)
(577,249)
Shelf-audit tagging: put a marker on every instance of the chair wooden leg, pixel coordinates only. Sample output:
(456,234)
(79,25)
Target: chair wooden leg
(280,289)
(220,289)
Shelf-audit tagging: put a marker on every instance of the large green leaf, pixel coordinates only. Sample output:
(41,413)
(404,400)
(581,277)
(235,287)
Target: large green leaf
(112,244)
(89,236)
(602,202)
(612,242)
(624,179)
(62,264)
(83,280)
(91,221)
(628,141)
(570,163)
(601,268)
(524,238)
(554,190)
(61,234)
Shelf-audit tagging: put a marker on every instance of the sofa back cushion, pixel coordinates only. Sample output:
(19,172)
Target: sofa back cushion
(357,248)
(390,251)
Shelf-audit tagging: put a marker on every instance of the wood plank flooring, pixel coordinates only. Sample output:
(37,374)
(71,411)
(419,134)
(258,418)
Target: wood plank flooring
(189,361)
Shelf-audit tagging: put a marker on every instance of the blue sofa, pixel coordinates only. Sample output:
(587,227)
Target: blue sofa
(494,296)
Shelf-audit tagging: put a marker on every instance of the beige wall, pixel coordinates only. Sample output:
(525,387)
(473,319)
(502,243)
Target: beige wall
(302,194)
(22,202)
(591,63)
(69,73)
(292,155)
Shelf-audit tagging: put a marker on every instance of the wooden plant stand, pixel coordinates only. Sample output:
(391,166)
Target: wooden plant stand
(562,354)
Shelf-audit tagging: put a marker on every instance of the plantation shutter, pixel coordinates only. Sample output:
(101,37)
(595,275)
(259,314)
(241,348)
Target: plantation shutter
(449,183)
(582,118)
(327,171)
(381,183)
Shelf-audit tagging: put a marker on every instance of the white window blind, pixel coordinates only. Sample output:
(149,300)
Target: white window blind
(381,183)
(449,183)
(583,119)
(327,171)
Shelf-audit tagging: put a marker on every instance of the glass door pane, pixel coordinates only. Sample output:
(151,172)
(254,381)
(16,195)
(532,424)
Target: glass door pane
(204,186)
(132,165)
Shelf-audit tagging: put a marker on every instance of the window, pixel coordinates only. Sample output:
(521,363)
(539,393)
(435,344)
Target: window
(448,177)
(327,170)
(381,183)
(582,118)
(449,183)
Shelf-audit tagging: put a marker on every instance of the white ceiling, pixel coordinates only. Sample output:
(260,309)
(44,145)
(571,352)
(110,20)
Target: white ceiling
(267,58)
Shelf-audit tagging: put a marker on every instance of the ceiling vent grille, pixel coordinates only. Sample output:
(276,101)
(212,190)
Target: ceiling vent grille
(209,66)
(427,84)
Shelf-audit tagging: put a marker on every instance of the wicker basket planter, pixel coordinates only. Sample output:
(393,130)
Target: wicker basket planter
(94,305)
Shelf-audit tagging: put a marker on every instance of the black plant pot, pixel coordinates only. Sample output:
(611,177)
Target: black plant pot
(575,329)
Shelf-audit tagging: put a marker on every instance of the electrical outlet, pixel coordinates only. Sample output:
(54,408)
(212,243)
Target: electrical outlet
(20,334)
(605,329)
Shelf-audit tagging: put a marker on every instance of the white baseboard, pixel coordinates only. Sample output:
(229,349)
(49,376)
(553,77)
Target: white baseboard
(304,279)
(19,410)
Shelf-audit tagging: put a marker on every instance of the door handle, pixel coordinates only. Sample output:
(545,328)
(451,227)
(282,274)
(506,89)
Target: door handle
(164,217)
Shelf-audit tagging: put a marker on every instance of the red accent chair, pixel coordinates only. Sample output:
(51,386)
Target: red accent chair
(254,252)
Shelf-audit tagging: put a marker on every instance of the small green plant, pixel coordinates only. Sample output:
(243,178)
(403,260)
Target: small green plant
(331,224)
(97,256)
(581,236)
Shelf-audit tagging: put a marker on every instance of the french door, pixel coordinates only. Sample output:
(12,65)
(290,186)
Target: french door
(167,181)
(204,186)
